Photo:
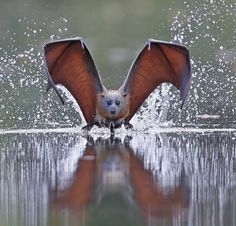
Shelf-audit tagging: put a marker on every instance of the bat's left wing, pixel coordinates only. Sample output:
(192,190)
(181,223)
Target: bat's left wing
(158,62)
(70,64)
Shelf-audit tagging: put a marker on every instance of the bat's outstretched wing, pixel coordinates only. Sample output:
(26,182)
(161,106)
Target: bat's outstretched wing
(158,62)
(70,64)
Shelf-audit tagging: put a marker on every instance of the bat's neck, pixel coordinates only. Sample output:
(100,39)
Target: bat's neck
(108,122)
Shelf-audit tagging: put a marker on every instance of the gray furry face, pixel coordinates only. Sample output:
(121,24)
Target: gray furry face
(113,103)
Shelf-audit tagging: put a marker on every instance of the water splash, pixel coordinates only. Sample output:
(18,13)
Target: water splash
(23,102)
(207,29)
(204,28)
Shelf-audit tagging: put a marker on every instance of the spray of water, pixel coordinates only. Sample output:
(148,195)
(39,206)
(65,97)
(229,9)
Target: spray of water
(208,29)
(24,103)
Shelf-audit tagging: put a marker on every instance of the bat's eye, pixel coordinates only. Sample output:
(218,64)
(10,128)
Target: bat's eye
(109,102)
(117,102)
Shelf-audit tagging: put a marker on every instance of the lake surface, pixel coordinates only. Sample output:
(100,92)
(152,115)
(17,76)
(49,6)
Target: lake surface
(172,177)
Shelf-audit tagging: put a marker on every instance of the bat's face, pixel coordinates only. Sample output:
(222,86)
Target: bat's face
(113,105)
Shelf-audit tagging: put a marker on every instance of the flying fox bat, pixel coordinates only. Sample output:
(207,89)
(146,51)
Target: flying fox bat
(70,64)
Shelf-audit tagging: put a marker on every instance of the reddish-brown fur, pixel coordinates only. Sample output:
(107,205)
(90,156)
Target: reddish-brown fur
(107,115)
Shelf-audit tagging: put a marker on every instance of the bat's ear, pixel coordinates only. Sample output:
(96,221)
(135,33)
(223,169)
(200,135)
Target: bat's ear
(124,94)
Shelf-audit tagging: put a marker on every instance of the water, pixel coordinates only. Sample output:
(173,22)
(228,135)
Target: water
(167,178)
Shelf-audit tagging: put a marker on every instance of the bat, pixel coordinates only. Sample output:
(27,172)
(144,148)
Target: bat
(69,63)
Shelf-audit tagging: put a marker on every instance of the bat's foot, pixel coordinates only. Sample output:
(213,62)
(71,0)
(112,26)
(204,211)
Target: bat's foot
(99,125)
(88,127)
(112,130)
(128,126)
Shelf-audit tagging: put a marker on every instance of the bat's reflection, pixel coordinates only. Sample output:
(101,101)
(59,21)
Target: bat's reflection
(110,166)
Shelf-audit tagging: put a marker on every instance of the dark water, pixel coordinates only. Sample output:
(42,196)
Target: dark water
(167,178)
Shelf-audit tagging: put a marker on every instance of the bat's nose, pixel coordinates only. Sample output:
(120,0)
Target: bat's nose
(113,112)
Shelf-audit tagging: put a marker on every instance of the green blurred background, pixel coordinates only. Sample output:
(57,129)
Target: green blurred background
(115,31)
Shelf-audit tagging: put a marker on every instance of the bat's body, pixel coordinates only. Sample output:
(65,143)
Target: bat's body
(69,63)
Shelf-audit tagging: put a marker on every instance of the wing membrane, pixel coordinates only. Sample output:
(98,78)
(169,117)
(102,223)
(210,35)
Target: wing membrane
(70,64)
(158,62)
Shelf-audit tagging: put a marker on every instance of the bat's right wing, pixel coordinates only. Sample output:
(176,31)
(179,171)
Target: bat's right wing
(70,64)
(158,62)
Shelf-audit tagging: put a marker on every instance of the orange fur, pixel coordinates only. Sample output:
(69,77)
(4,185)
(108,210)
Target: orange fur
(106,115)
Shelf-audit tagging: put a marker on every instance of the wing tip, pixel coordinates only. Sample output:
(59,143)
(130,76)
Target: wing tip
(157,41)
(49,86)
(184,93)
(74,39)
(52,85)
(186,81)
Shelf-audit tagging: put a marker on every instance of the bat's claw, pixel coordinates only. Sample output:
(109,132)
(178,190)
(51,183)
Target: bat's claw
(128,126)
(88,127)
(112,130)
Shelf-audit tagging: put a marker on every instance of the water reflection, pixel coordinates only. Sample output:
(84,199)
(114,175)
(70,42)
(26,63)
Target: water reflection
(108,174)
(161,179)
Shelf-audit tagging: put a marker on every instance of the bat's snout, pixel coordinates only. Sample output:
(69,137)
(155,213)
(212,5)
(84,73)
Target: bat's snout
(113,112)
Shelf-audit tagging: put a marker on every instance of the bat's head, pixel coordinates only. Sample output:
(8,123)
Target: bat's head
(112,105)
